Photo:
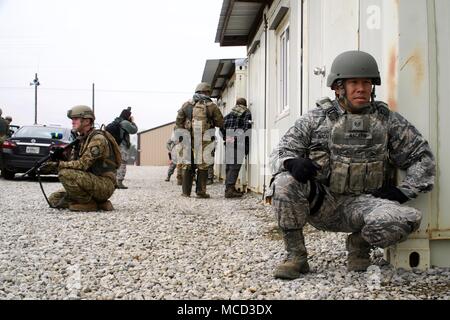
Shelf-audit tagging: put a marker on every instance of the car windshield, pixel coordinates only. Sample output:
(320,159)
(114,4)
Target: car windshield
(39,132)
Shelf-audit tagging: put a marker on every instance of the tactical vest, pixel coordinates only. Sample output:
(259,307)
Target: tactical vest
(358,146)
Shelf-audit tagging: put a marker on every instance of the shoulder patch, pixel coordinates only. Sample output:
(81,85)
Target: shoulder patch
(95,151)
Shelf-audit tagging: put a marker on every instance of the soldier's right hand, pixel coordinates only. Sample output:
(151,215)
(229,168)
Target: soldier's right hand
(302,169)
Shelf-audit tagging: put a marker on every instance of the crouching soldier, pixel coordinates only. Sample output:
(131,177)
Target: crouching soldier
(333,170)
(89,177)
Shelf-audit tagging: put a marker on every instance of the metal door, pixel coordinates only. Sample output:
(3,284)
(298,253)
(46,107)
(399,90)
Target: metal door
(332,28)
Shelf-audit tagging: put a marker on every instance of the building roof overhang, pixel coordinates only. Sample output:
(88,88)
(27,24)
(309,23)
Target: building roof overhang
(217,72)
(239,21)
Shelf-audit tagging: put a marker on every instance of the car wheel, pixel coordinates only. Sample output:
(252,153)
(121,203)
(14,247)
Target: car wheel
(8,175)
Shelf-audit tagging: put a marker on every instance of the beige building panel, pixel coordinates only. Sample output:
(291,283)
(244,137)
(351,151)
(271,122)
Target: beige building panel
(152,146)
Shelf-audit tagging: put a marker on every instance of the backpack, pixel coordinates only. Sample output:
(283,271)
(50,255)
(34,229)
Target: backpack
(115,130)
(115,149)
(199,116)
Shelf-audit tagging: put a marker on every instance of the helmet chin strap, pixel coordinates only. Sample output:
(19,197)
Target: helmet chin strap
(373,95)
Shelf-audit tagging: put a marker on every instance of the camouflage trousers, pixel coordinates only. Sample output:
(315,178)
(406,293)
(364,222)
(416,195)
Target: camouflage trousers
(172,168)
(382,222)
(122,171)
(82,187)
(211,172)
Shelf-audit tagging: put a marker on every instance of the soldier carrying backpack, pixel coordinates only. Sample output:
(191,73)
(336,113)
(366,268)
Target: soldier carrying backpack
(120,129)
(199,115)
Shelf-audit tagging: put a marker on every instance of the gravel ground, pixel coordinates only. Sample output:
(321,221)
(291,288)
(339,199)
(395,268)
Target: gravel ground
(158,245)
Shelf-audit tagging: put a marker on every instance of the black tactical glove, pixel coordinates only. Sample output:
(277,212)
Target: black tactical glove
(391,193)
(57,154)
(302,169)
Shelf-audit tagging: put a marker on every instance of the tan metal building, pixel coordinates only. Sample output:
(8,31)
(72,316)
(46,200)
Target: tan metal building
(152,145)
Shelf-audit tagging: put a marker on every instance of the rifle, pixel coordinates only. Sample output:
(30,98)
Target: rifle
(37,167)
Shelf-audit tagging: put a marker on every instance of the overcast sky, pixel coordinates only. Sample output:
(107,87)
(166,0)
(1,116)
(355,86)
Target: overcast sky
(146,54)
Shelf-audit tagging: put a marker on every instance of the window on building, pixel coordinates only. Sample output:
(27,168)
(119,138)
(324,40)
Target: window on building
(284,70)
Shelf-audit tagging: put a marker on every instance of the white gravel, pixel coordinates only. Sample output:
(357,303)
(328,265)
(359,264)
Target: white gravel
(158,245)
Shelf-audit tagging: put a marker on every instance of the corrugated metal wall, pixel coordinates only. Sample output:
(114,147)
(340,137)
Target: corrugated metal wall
(152,146)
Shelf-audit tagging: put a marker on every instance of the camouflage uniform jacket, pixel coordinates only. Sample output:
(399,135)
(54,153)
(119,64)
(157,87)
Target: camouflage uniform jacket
(92,155)
(406,148)
(128,128)
(4,128)
(184,117)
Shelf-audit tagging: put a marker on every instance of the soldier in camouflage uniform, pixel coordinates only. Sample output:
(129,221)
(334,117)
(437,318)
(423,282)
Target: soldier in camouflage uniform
(8,120)
(127,127)
(89,177)
(333,170)
(4,129)
(199,116)
(175,159)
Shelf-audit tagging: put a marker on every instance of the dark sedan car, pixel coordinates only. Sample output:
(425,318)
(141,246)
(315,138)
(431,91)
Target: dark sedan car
(29,144)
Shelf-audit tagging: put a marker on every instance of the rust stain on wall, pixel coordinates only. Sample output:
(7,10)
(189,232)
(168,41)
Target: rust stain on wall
(392,79)
(416,63)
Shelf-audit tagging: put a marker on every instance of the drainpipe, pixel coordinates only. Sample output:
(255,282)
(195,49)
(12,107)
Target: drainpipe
(265,103)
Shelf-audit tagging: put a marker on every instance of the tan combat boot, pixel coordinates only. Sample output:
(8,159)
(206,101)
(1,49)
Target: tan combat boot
(120,185)
(59,200)
(231,192)
(296,262)
(105,206)
(358,253)
(202,179)
(83,207)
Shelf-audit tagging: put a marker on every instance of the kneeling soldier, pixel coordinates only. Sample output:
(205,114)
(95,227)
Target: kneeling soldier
(89,177)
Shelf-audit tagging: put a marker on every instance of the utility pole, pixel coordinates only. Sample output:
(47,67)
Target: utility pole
(35,83)
(93,98)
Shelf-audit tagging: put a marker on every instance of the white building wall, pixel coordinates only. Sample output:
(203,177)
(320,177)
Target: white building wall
(255,100)
(440,222)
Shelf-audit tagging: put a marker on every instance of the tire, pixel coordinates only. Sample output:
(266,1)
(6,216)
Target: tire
(8,175)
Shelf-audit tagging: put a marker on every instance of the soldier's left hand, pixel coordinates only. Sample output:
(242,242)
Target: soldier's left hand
(57,154)
(302,169)
(391,193)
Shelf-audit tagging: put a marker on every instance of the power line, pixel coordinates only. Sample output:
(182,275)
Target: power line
(102,90)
